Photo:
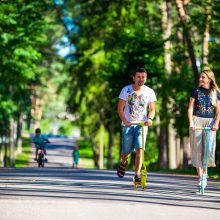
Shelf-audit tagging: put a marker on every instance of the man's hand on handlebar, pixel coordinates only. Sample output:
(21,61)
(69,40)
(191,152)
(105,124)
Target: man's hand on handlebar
(148,122)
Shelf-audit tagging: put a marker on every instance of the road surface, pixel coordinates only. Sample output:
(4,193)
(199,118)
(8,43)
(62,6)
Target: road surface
(59,192)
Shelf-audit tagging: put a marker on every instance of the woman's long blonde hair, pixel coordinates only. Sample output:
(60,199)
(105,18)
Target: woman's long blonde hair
(213,85)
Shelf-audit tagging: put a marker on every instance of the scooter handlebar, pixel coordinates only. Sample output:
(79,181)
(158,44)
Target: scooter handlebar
(138,123)
(202,128)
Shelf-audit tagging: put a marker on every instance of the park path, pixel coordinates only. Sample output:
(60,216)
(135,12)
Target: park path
(99,194)
(60,192)
(59,153)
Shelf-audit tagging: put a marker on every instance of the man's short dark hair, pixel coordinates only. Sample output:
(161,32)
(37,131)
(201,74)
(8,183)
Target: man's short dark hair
(139,70)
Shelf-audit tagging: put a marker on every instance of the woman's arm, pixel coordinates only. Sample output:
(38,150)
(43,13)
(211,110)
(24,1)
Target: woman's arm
(217,118)
(190,112)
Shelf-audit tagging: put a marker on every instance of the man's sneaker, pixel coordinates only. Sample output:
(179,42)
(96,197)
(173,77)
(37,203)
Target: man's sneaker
(137,178)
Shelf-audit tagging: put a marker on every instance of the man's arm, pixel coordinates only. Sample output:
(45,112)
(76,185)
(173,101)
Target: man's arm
(121,106)
(151,115)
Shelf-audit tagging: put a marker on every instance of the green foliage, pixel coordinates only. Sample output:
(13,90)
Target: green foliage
(23,159)
(111,42)
(28,58)
(112,39)
(85,149)
(151,152)
(213,172)
(22,34)
(66,128)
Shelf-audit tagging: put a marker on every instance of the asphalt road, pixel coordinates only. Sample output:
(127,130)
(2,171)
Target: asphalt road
(60,192)
(59,153)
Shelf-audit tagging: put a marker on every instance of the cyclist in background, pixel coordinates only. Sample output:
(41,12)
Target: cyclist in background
(39,142)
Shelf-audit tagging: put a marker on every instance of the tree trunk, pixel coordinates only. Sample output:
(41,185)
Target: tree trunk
(5,137)
(163,147)
(5,159)
(169,150)
(19,134)
(12,144)
(186,152)
(178,159)
(147,16)
(172,145)
(205,41)
(101,147)
(110,146)
(29,120)
(181,151)
(166,27)
(95,154)
(120,144)
(36,111)
(185,21)
(1,149)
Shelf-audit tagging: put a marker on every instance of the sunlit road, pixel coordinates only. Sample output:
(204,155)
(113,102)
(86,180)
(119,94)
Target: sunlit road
(61,192)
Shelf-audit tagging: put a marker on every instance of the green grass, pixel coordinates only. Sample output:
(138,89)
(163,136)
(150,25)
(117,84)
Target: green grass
(87,163)
(212,172)
(86,154)
(85,149)
(22,159)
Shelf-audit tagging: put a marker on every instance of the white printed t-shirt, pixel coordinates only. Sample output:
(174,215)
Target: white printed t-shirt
(136,105)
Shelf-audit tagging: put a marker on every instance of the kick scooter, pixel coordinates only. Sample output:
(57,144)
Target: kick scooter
(205,175)
(143,168)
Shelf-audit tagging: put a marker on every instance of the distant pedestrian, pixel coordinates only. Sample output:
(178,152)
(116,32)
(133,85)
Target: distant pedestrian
(75,155)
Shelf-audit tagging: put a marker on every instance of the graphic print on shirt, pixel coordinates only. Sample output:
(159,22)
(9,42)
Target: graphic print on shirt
(137,106)
(204,104)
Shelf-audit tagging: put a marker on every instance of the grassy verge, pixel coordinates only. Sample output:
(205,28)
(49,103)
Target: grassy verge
(22,159)
(86,154)
(87,163)
(212,172)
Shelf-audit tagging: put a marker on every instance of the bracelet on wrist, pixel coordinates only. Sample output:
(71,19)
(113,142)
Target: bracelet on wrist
(150,119)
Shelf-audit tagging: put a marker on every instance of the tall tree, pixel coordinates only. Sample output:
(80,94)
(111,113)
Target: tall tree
(185,21)
(23,34)
(206,34)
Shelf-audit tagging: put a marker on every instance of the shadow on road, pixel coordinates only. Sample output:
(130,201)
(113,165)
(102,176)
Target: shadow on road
(104,185)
